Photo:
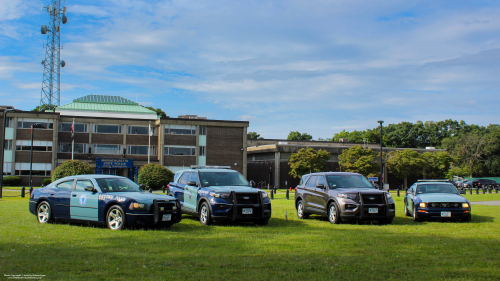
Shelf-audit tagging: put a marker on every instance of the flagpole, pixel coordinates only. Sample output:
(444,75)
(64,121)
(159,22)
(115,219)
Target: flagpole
(73,140)
(149,143)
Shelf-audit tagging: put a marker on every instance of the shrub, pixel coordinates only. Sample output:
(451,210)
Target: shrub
(46,181)
(12,180)
(154,176)
(71,168)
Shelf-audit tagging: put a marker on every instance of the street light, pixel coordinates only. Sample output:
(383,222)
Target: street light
(381,164)
(33,126)
(3,148)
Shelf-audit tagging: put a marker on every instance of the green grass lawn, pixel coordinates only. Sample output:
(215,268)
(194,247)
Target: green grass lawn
(290,249)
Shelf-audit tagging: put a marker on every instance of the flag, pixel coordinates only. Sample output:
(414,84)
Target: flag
(150,130)
(73,130)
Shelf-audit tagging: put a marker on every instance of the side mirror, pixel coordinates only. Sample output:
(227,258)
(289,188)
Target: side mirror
(461,191)
(89,188)
(192,183)
(320,185)
(252,183)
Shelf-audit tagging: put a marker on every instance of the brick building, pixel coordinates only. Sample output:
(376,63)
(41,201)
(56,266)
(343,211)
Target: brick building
(112,134)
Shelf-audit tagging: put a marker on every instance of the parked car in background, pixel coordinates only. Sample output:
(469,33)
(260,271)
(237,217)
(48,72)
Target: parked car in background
(467,184)
(427,199)
(342,197)
(217,193)
(114,201)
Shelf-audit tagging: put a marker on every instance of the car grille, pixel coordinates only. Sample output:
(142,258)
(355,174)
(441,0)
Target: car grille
(373,199)
(167,206)
(444,205)
(247,198)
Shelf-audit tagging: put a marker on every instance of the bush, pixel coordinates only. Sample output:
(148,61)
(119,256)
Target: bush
(12,181)
(46,181)
(71,168)
(154,176)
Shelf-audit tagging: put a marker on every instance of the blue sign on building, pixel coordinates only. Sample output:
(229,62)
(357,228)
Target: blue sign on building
(373,179)
(105,166)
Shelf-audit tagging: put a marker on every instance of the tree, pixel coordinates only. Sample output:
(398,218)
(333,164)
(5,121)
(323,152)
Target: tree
(359,160)
(308,160)
(298,136)
(43,108)
(158,111)
(437,164)
(403,163)
(71,168)
(154,176)
(254,135)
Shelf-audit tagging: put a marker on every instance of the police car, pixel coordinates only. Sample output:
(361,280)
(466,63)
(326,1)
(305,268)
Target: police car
(114,201)
(217,193)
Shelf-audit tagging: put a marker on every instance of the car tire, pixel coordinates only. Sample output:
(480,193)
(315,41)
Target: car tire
(407,213)
(415,216)
(205,214)
(44,212)
(333,213)
(262,222)
(115,218)
(466,218)
(301,213)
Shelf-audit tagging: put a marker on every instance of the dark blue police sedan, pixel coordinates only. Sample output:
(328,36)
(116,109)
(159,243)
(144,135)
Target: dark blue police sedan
(114,201)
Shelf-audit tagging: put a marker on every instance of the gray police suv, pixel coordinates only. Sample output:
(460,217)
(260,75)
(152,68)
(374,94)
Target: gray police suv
(342,197)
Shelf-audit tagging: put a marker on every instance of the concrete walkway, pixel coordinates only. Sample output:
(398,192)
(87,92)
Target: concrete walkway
(490,203)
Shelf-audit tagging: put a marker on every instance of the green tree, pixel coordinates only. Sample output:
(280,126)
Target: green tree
(403,163)
(71,168)
(43,108)
(308,160)
(254,135)
(437,164)
(298,136)
(154,176)
(158,111)
(359,160)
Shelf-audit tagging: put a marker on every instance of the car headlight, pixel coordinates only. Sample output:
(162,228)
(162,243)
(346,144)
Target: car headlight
(264,194)
(465,205)
(220,195)
(351,196)
(138,206)
(422,205)
(389,195)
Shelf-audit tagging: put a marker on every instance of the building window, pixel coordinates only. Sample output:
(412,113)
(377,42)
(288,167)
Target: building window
(180,129)
(65,147)
(108,129)
(140,150)
(37,145)
(203,130)
(79,127)
(202,150)
(25,123)
(38,169)
(140,130)
(7,168)
(179,150)
(8,145)
(10,122)
(107,149)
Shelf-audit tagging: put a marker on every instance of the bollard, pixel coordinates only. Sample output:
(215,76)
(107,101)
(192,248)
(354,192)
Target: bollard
(398,192)
(150,190)
(477,190)
(484,189)
(287,194)
(31,190)
(286,215)
(272,195)
(470,190)
(496,189)
(163,188)
(489,189)
(22,192)
(275,190)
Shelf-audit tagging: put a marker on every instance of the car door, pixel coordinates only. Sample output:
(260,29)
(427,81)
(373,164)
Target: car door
(191,192)
(84,203)
(320,195)
(59,197)
(309,190)
(409,198)
(181,187)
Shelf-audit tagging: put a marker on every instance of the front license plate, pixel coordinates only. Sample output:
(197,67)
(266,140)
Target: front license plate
(247,211)
(167,217)
(372,210)
(446,214)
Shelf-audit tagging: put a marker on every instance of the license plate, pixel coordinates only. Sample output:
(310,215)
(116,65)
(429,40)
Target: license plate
(372,210)
(247,211)
(167,217)
(446,214)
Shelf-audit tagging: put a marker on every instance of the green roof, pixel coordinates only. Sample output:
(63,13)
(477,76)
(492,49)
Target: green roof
(106,103)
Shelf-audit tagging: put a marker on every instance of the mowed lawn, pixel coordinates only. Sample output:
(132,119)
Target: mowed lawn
(290,249)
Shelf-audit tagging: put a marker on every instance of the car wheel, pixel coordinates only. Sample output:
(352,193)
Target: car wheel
(415,216)
(115,218)
(44,212)
(407,213)
(301,214)
(466,219)
(333,213)
(262,222)
(205,215)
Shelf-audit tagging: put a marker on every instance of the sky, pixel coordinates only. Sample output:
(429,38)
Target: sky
(317,67)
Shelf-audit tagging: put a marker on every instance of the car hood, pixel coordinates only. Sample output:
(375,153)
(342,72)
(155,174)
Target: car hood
(244,189)
(142,197)
(441,197)
(356,190)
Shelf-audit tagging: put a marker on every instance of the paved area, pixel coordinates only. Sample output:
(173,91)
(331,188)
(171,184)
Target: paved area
(491,203)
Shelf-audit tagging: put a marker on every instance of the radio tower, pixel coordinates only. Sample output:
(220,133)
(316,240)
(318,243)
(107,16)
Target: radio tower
(51,95)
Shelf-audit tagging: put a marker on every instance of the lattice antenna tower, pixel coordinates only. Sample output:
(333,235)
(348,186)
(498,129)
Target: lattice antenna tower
(51,85)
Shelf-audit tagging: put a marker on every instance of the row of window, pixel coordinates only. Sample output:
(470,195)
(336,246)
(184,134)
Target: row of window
(131,149)
(37,169)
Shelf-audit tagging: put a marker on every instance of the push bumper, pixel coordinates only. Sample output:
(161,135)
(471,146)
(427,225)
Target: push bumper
(162,212)
(241,211)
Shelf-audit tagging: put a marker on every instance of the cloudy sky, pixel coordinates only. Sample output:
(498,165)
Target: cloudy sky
(310,66)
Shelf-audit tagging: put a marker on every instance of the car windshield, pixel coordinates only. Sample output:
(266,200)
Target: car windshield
(436,188)
(223,179)
(118,185)
(348,181)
